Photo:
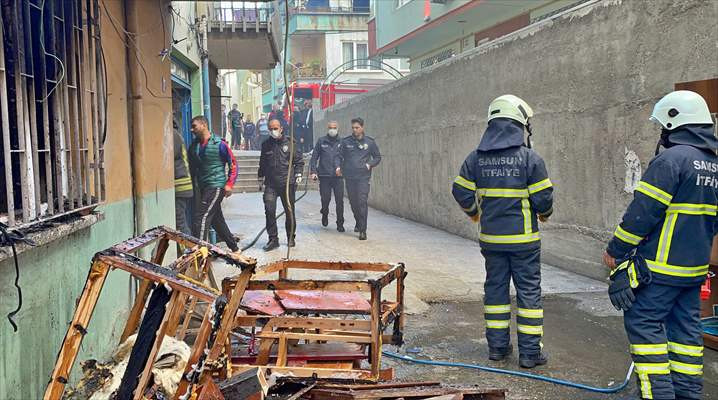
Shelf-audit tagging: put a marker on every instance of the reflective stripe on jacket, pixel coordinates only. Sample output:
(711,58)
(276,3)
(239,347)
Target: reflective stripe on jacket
(509,187)
(671,220)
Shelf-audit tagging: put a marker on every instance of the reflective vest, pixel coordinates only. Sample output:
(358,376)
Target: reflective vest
(672,218)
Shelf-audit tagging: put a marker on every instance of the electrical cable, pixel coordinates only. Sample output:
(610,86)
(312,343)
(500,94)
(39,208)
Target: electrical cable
(290,111)
(8,238)
(136,50)
(555,381)
(42,46)
(256,238)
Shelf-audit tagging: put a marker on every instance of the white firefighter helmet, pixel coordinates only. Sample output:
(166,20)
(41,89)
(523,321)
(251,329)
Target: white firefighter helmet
(510,106)
(681,107)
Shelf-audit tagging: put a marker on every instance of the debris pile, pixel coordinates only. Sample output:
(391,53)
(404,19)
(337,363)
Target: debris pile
(253,339)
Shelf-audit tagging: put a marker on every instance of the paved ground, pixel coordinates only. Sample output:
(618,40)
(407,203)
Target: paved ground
(583,334)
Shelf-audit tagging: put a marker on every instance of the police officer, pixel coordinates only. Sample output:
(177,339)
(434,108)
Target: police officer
(274,169)
(663,245)
(322,167)
(505,184)
(358,155)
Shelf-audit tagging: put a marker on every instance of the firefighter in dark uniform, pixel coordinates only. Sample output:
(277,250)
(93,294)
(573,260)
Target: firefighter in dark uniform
(274,170)
(505,184)
(322,167)
(663,246)
(358,155)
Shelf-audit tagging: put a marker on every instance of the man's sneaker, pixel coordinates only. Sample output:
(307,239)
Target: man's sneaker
(291,243)
(362,235)
(271,245)
(340,228)
(325,220)
(532,360)
(500,353)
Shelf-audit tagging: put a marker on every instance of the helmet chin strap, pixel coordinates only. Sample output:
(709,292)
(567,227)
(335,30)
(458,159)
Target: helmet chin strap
(528,138)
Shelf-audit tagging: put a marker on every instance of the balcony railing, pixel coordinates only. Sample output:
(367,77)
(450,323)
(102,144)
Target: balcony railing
(308,72)
(240,15)
(329,10)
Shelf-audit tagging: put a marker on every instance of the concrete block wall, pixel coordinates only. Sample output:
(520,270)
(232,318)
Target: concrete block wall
(592,76)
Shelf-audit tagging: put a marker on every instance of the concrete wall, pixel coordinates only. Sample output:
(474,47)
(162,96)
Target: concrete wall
(592,76)
(52,276)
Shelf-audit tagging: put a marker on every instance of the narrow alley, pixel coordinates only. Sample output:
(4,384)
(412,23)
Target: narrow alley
(583,333)
(529,190)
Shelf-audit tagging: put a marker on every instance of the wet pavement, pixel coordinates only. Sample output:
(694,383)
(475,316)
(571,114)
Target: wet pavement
(584,335)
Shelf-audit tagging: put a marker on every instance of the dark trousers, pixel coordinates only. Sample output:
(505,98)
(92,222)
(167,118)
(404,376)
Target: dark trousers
(327,186)
(664,329)
(524,268)
(208,212)
(271,194)
(358,193)
(236,137)
(182,204)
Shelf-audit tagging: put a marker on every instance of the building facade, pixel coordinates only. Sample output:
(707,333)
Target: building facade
(427,32)
(88,199)
(329,44)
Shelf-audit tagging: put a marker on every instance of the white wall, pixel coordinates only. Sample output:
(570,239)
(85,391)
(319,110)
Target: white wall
(334,57)
(188,47)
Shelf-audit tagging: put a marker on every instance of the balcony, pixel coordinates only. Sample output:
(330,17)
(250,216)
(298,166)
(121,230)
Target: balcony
(323,16)
(241,35)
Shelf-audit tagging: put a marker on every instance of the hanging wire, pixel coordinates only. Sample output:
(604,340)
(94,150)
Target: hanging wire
(42,46)
(290,167)
(135,49)
(10,238)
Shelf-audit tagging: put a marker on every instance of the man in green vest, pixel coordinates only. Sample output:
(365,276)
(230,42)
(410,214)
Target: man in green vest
(214,171)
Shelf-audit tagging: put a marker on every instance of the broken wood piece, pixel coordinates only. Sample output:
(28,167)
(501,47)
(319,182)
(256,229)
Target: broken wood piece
(243,385)
(209,391)
(321,301)
(76,331)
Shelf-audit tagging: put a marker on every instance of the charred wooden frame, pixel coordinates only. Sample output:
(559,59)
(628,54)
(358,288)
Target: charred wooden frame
(178,276)
(281,329)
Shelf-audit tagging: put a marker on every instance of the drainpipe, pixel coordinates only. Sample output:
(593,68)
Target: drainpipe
(136,133)
(135,113)
(205,73)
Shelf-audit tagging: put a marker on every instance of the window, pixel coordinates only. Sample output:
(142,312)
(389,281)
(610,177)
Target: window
(401,3)
(52,113)
(348,54)
(404,64)
(358,53)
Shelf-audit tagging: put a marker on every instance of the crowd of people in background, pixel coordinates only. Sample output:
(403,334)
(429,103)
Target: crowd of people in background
(242,133)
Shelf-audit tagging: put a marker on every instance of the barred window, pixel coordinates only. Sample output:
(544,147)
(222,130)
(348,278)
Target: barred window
(52,110)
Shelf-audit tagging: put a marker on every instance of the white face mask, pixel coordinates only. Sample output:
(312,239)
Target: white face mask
(276,133)
(333,132)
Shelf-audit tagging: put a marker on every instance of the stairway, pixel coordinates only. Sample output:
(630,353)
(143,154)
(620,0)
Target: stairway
(248,164)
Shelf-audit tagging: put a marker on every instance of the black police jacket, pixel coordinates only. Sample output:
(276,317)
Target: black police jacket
(354,156)
(324,156)
(274,161)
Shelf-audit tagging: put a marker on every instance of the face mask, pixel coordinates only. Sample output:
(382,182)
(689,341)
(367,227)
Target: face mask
(276,133)
(332,132)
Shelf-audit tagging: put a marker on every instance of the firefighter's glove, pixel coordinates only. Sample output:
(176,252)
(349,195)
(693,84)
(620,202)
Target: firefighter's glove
(620,291)
(629,276)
